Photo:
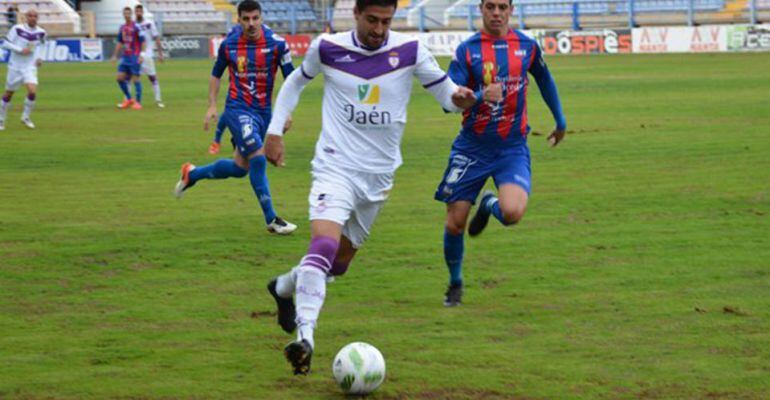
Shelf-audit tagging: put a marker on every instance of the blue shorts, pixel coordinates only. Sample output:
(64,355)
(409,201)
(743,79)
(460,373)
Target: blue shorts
(467,172)
(130,65)
(247,130)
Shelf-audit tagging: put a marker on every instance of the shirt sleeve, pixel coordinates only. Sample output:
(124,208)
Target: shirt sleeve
(10,41)
(547,86)
(120,35)
(311,65)
(154,31)
(220,65)
(458,68)
(287,67)
(433,78)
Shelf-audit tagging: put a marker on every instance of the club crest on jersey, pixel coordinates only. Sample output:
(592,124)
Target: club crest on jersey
(241,64)
(369,94)
(489,72)
(393,59)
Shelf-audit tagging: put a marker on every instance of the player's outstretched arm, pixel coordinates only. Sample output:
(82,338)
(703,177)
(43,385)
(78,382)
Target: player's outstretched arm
(550,94)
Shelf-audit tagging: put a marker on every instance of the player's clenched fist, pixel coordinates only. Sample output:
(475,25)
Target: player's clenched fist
(274,149)
(463,98)
(493,93)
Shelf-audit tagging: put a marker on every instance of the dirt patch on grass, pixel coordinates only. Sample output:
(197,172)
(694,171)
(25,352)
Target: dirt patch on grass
(262,314)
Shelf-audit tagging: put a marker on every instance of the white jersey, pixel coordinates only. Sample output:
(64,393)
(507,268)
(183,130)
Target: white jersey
(366,93)
(149,32)
(19,37)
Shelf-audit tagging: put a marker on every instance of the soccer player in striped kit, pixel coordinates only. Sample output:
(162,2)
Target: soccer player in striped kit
(493,138)
(131,42)
(252,58)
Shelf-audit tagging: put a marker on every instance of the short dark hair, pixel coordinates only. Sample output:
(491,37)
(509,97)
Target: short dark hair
(127,8)
(139,6)
(248,5)
(362,4)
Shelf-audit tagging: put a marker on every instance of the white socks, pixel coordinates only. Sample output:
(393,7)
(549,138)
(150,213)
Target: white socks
(309,298)
(4,109)
(156,90)
(286,283)
(29,105)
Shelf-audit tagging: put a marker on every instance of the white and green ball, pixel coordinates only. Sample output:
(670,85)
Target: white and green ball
(359,368)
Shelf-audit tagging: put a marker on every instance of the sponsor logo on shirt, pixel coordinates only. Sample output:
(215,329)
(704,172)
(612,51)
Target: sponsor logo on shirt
(489,72)
(346,59)
(369,94)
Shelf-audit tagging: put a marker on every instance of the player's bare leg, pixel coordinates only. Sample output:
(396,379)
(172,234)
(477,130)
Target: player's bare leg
(508,207)
(4,105)
(454,248)
(29,105)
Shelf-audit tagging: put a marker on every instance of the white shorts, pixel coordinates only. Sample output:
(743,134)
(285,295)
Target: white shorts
(148,66)
(18,76)
(350,198)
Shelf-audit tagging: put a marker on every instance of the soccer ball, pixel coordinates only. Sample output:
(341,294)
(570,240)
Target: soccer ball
(359,368)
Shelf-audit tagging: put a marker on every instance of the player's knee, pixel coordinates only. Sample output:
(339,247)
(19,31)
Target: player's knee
(512,215)
(455,226)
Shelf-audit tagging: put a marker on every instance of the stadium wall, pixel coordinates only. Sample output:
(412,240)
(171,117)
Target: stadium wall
(701,39)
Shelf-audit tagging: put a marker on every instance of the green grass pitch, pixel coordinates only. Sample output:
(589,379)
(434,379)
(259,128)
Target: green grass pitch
(641,270)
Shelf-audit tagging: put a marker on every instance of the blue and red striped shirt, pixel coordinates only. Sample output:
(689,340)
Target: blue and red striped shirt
(131,36)
(484,59)
(252,65)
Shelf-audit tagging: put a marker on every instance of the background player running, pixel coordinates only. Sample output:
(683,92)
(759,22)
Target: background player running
(25,43)
(131,42)
(493,138)
(252,58)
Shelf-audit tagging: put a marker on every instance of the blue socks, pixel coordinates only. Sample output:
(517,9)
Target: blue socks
(124,88)
(138,88)
(227,168)
(494,208)
(221,125)
(258,178)
(453,255)
(220,169)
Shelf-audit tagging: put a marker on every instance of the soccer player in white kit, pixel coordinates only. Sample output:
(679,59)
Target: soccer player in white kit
(24,41)
(368,75)
(152,38)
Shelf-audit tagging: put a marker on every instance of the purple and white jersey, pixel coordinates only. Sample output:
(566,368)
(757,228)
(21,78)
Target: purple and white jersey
(366,93)
(150,32)
(19,37)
